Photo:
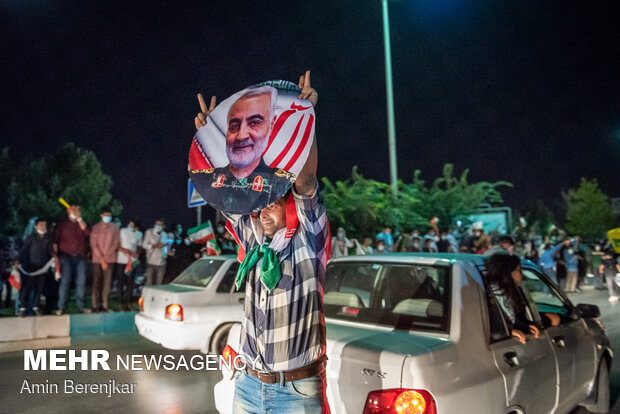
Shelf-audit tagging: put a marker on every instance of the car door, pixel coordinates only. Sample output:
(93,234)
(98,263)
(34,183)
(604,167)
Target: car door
(574,347)
(529,370)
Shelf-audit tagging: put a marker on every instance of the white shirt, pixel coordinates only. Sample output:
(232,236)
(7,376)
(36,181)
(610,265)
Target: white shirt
(155,256)
(130,240)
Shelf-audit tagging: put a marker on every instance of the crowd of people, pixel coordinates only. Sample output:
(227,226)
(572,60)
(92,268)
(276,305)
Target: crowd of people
(117,253)
(50,259)
(568,261)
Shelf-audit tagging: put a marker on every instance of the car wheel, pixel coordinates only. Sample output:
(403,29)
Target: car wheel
(219,338)
(602,389)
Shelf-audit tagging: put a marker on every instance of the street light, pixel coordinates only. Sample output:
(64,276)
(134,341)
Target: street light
(390,99)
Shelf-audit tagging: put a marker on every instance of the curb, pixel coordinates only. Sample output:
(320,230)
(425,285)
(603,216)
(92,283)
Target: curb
(38,332)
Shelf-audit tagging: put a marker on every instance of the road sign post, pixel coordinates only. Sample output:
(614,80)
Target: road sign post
(194,200)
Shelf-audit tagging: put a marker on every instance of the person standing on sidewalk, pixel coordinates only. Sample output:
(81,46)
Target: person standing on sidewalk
(104,241)
(571,261)
(34,255)
(547,260)
(70,246)
(131,240)
(155,242)
(609,267)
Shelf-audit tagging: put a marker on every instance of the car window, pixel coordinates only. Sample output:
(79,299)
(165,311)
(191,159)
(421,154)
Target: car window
(542,294)
(403,296)
(199,273)
(226,285)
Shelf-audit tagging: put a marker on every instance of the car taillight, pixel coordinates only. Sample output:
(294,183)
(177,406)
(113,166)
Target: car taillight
(141,304)
(174,312)
(229,354)
(400,401)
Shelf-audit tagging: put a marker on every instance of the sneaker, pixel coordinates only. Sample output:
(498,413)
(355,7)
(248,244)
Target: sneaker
(22,312)
(60,312)
(86,310)
(37,312)
(613,299)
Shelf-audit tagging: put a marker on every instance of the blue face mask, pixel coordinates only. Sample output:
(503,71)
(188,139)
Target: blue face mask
(106,219)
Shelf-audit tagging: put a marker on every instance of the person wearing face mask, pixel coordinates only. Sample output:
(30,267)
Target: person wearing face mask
(380,247)
(571,261)
(180,255)
(155,241)
(340,244)
(104,242)
(128,251)
(34,255)
(70,246)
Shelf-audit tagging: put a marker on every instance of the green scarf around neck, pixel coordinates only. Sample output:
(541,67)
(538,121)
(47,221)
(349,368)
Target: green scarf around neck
(270,269)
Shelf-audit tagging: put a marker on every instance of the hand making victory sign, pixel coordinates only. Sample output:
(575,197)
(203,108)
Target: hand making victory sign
(306,90)
(201,118)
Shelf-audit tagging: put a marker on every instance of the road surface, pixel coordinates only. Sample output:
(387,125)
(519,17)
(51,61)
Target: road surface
(175,391)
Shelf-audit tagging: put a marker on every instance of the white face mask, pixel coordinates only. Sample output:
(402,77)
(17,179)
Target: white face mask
(380,248)
(158,228)
(106,219)
(187,242)
(220,229)
(72,216)
(41,232)
(340,235)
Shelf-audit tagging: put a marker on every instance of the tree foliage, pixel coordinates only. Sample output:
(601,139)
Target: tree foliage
(72,173)
(363,206)
(589,212)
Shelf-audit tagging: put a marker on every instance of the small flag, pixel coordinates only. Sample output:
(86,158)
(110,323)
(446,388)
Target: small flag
(201,234)
(57,271)
(212,248)
(132,263)
(15,279)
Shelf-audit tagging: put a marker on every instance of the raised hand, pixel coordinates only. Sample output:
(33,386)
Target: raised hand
(306,90)
(201,118)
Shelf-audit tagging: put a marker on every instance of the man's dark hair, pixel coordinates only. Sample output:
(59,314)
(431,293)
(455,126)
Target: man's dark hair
(38,220)
(506,239)
(160,219)
(105,209)
(136,222)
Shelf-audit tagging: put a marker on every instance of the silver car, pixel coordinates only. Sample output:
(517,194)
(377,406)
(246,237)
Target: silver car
(423,333)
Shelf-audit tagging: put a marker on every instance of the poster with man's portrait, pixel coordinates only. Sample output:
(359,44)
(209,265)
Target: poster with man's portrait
(253,147)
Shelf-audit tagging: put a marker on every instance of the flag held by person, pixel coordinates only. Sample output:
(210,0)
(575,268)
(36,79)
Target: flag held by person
(202,233)
(213,249)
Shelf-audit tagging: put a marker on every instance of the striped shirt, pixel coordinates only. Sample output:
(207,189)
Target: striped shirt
(285,328)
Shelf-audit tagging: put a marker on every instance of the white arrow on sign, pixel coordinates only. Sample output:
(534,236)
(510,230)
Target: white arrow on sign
(193,198)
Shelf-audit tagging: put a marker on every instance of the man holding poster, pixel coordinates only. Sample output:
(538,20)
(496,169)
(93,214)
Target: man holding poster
(283,251)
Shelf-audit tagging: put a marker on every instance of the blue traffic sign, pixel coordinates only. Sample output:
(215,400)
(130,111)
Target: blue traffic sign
(193,198)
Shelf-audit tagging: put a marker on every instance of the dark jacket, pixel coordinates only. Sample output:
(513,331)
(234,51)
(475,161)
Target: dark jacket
(37,251)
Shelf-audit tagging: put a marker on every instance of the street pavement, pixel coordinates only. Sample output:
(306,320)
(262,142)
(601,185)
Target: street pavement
(179,391)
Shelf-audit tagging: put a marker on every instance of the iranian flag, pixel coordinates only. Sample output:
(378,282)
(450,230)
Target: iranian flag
(212,248)
(15,280)
(57,274)
(201,234)
(132,263)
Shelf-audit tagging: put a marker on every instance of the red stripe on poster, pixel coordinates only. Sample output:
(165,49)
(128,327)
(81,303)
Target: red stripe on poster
(302,145)
(288,146)
(278,126)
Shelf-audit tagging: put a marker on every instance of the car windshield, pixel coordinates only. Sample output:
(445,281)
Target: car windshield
(398,295)
(199,273)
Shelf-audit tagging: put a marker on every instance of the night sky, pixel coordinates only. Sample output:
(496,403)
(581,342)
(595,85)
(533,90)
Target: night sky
(527,92)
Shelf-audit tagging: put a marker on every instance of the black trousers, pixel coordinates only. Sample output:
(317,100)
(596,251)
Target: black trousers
(29,284)
(125,282)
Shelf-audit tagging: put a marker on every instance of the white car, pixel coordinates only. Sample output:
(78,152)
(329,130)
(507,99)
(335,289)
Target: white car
(196,310)
(423,334)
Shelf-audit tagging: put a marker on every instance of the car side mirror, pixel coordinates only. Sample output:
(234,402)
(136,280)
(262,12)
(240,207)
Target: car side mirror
(587,311)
